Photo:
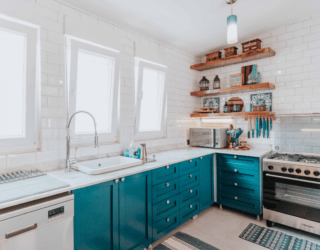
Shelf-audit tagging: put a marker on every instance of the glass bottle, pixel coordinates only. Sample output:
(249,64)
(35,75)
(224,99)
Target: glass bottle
(226,108)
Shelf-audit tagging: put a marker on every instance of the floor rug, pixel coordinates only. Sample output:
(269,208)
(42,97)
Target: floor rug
(182,241)
(273,239)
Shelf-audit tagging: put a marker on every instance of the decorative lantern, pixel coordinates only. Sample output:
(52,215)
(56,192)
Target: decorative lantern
(204,84)
(216,82)
(232,29)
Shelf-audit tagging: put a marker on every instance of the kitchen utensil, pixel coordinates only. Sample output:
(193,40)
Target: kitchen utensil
(252,127)
(260,125)
(257,127)
(264,126)
(249,128)
(270,123)
(268,127)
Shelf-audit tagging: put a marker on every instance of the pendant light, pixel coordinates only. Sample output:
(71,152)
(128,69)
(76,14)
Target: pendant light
(232,26)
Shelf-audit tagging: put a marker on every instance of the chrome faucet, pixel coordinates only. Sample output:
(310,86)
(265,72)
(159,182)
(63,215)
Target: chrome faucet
(96,143)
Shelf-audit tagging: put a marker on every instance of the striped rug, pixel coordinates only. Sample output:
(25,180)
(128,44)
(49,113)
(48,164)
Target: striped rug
(182,241)
(276,240)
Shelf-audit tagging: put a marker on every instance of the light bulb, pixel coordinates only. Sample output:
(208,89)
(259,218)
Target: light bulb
(232,29)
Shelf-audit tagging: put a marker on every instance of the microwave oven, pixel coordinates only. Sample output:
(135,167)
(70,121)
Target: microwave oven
(208,137)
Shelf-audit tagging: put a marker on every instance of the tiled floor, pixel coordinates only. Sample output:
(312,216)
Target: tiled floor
(221,229)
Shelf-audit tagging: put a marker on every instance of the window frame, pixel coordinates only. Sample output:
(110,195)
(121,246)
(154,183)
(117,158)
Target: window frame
(140,66)
(75,46)
(32,140)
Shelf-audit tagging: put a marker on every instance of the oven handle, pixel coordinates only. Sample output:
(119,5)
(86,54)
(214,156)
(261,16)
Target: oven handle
(289,178)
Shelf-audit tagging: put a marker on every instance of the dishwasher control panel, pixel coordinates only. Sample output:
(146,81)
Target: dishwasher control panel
(55,212)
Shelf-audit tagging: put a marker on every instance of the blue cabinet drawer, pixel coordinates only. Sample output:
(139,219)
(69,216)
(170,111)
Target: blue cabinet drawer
(165,208)
(189,166)
(165,190)
(240,203)
(165,226)
(188,211)
(238,175)
(165,173)
(239,189)
(189,195)
(238,162)
(189,180)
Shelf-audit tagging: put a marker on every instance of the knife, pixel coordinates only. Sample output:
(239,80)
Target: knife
(260,125)
(268,127)
(264,126)
(252,126)
(249,127)
(257,127)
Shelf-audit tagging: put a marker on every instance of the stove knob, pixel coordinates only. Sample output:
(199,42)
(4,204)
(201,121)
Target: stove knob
(298,170)
(270,167)
(316,173)
(283,169)
(307,172)
(290,170)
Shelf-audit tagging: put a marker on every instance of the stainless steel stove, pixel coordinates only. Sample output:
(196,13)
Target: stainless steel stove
(291,190)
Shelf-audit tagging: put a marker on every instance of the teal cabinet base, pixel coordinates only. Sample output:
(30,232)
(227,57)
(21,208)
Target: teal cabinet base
(190,210)
(165,226)
(240,203)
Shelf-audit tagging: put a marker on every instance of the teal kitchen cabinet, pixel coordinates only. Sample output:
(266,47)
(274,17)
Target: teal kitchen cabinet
(96,217)
(114,215)
(206,186)
(135,211)
(239,182)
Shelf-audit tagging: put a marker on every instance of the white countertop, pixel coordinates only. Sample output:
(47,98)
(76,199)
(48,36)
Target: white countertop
(78,180)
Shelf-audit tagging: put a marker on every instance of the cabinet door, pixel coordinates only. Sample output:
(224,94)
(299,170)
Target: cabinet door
(206,187)
(96,222)
(135,211)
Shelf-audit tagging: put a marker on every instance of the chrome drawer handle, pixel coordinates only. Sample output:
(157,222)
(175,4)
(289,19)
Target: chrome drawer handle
(236,170)
(190,191)
(122,179)
(190,176)
(236,184)
(168,202)
(235,157)
(167,184)
(236,198)
(190,160)
(167,220)
(116,181)
(167,167)
(190,206)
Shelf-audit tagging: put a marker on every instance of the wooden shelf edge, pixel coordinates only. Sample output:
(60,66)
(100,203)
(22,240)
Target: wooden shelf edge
(243,57)
(234,114)
(244,88)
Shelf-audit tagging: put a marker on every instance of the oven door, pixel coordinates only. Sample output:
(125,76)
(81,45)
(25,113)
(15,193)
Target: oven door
(292,195)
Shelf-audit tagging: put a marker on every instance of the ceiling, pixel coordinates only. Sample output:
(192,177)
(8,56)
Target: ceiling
(197,27)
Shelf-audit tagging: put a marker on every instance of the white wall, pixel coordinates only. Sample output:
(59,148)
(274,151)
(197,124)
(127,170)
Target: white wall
(181,81)
(295,71)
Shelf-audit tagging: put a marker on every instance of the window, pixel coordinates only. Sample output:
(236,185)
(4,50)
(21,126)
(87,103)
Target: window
(150,100)
(93,80)
(18,86)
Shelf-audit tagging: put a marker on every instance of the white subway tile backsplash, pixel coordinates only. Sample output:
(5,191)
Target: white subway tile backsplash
(21,159)
(299,47)
(48,90)
(69,11)
(294,27)
(88,18)
(3,161)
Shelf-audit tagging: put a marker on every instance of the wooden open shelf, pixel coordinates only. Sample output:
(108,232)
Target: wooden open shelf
(244,88)
(243,57)
(234,114)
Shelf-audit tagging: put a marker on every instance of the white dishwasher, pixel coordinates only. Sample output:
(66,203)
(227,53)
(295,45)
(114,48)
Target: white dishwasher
(45,224)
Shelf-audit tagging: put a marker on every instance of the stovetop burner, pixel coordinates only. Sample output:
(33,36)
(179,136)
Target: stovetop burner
(295,158)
